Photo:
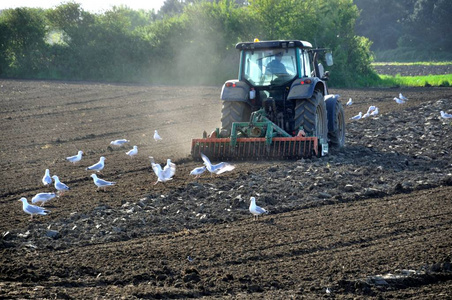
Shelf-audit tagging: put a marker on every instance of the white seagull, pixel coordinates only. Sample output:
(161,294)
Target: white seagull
(349,102)
(371,109)
(198,171)
(132,152)
(157,136)
(97,166)
(445,115)
(47,180)
(375,112)
(218,168)
(402,97)
(357,117)
(119,142)
(75,158)
(100,182)
(165,174)
(399,101)
(256,210)
(61,187)
(43,198)
(32,209)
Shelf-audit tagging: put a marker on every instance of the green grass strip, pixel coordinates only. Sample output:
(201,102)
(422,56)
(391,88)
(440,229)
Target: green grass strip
(422,63)
(430,80)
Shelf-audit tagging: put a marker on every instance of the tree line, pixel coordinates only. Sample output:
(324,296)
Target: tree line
(186,42)
(407,29)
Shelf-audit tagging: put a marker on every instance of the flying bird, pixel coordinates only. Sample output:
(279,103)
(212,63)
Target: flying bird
(157,136)
(445,115)
(402,97)
(47,180)
(61,187)
(256,210)
(97,166)
(218,168)
(357,117)
(399,101)
(119,142)
(132,152)
(43,198)
(32,209)
(165,174)
(198,171)
(101,183)
(75,158)
(349,102)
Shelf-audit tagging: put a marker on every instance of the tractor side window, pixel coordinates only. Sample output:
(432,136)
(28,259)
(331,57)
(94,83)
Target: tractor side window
(307,64)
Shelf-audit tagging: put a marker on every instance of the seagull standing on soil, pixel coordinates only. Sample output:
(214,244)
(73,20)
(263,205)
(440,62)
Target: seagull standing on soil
(47,180)
(218,168)
(445,115)
(256,210)
(357,117)
(371,109)
(101,183)
(119,142)
(75,158)
(399,101)
(61,187)
(43,198)
(198,171)
(402,97)
(165,174)
(97,166)
(32,209)
(157,136)
(375,112)
(132,152)
(349,102)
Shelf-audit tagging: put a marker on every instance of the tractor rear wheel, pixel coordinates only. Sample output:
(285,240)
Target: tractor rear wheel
(233,111)
(311,114)
(337,137)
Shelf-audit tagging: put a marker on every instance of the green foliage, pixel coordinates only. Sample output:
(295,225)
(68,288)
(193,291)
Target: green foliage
(188,42)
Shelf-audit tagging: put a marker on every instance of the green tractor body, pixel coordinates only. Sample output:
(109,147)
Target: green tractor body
(278,108)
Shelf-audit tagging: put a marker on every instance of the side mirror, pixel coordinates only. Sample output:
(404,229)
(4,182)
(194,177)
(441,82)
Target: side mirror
(329,59)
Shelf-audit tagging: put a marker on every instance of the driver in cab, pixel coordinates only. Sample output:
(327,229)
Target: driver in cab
(276,66)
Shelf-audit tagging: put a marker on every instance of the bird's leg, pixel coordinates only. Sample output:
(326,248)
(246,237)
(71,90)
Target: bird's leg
(156,182)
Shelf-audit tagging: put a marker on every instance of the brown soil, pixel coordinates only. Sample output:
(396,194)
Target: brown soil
(371,220)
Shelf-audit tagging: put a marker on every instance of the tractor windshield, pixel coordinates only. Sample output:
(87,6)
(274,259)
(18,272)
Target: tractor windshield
(269,67)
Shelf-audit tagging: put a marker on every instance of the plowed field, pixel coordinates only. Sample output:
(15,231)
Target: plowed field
(370,220)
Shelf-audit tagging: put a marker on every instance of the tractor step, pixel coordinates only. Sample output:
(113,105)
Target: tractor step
(281,148)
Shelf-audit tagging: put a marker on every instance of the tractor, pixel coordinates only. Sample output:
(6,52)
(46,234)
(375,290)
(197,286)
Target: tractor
(278,108)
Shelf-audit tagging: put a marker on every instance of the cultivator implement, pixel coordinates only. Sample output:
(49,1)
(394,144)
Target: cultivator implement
(259,139)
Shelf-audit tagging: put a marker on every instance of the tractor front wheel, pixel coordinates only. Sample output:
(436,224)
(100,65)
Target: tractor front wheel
(311,114)
(233,111)
(337,137)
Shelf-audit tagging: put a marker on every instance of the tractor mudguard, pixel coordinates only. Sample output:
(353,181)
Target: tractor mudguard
(235,90)
(300,89)
(330,101)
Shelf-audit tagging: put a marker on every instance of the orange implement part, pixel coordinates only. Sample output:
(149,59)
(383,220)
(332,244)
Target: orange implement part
(256,148)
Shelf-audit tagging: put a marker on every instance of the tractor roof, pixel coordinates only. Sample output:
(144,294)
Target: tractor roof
(273,44)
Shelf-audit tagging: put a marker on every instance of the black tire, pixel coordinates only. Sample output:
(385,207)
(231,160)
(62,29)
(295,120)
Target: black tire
(233,111)
(311,114)
(337,137)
